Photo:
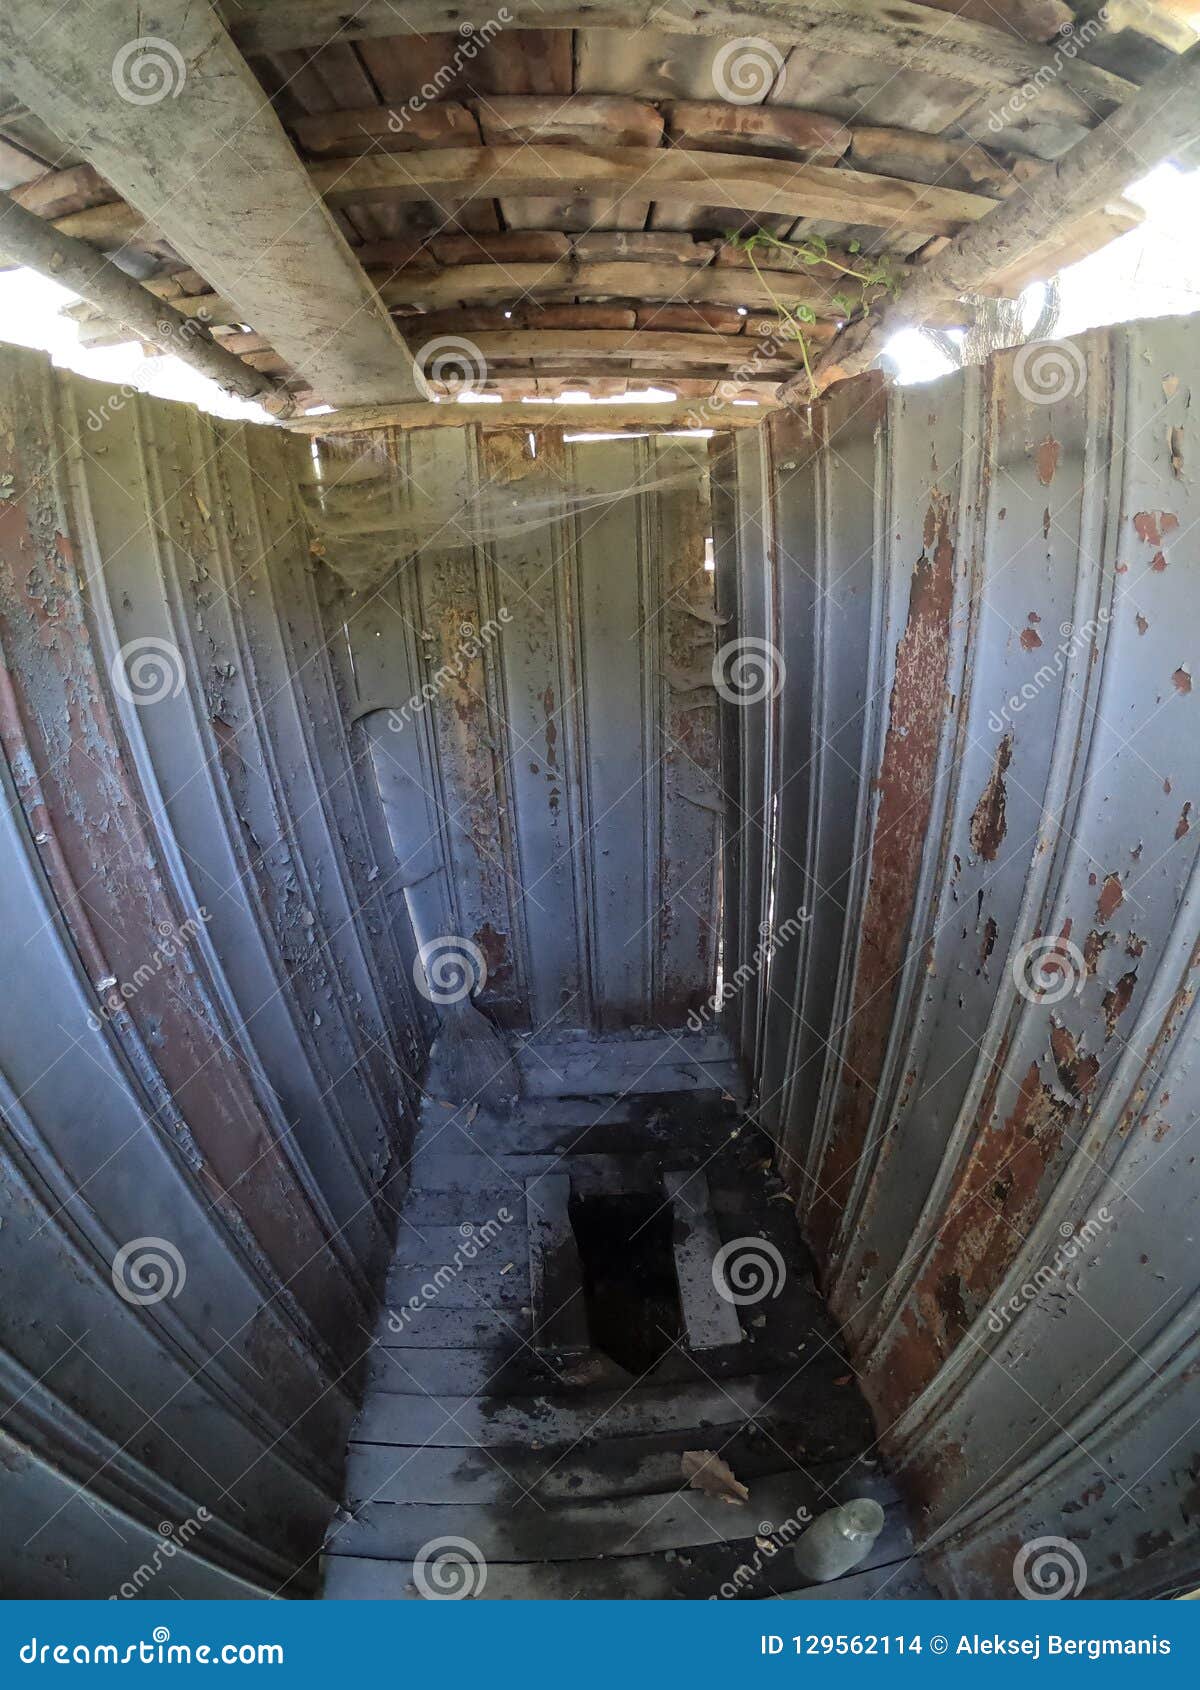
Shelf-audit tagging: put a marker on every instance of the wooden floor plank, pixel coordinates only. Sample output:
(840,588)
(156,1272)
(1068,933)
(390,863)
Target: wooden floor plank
(710,1320)
(555,1269)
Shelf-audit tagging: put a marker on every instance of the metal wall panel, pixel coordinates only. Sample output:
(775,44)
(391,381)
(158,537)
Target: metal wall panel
(206,1028)
(980,1055)
(531,633)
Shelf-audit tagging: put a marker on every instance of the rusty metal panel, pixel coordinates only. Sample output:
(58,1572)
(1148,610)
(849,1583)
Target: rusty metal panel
(211,1092)
(992,1166)
(533,664)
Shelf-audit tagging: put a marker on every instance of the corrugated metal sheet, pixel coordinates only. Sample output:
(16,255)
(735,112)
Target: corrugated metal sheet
(212,842)
(533,658)
(979,1057)
(205,1026)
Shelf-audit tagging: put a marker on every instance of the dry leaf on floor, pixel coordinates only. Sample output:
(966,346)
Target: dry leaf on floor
(705,1471)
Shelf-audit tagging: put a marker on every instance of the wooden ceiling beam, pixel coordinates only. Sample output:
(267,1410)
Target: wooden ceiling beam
(736,181)
(606,418)
(910,37)
(181,130)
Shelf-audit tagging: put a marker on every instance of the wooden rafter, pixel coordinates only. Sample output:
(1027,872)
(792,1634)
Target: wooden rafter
(210,165)
(911,37)
(635,174)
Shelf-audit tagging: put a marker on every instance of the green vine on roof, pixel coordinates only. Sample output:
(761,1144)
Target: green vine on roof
(872,276)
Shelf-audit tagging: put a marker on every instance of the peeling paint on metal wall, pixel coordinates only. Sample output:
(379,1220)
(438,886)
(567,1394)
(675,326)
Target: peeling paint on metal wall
(1011,1047)
(553,798)
(203,1031)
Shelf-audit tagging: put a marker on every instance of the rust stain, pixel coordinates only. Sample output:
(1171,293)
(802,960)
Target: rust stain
(1142,624)
(1030,639)
(1116,1001)
(990,931)
(1183,825)
(1112,896)
(986,1217)
(1135,945)
(1154,526)
(989,822)
(1046,458)
(1076,1071)
(1093,948)
(1182,680)
(905,788)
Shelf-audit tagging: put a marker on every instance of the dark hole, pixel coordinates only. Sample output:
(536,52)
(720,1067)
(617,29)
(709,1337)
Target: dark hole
(632,1297)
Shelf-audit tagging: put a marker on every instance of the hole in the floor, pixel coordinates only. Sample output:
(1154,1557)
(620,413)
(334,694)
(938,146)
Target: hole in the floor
(626,1247)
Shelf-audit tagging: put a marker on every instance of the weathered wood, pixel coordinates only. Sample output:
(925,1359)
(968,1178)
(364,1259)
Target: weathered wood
(1164,116)
(673,283)
(346,134)
(212,167)
(910,37)
(546,345)
(1066,246)
(608,418)
(735,181)
(613,119)
(710,1321)
(717,126)
(555,1268)
(31,241)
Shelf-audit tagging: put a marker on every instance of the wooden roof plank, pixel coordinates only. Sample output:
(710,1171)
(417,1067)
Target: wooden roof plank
(732,180)
(210,165)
